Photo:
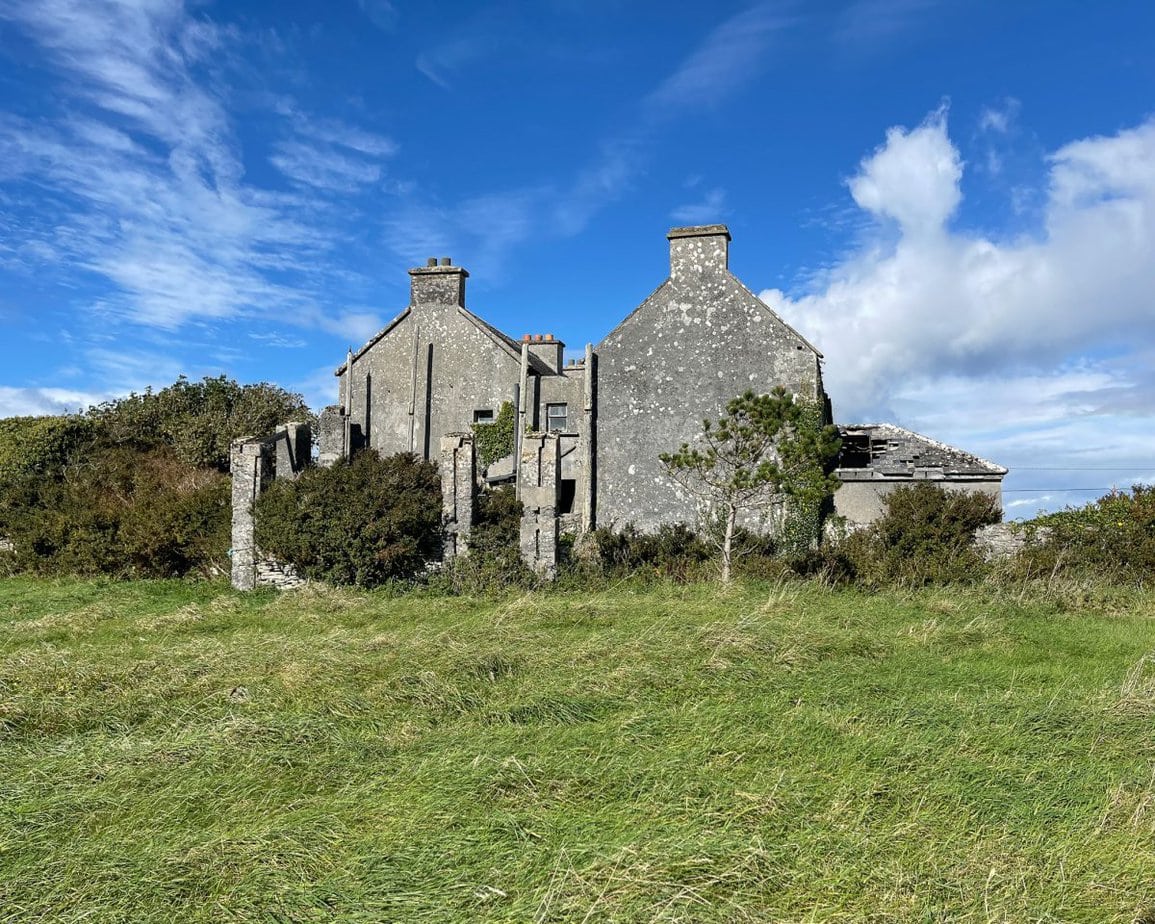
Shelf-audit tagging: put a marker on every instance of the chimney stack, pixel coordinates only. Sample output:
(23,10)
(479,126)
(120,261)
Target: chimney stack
(698,251)
(435,284)
(547,349)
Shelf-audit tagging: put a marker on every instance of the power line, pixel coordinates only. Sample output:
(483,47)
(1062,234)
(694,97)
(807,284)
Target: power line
(1052,468)
(1055,490)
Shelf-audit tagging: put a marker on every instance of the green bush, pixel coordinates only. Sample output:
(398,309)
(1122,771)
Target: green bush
(496,440)
(493,563)
(367,521)
(674,551)
(198,420)
(121,513)
(925,536)
(1112,538)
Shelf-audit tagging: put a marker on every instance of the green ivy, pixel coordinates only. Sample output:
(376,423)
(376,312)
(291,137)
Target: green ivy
(495,440)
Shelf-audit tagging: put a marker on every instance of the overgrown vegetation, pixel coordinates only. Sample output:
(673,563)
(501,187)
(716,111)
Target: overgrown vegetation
(925,536)
(367,521)
(496,440)
(763,448)
(1112,537)
(774,752)
(134,487)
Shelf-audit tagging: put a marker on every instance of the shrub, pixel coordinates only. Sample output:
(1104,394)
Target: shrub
(496,440)
(122,513)
(674,551)
(366,521)
(494,561)
(925,536)
(198,420)
(1112,537)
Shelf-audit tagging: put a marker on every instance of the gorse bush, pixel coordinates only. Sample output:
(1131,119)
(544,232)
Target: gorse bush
(493,563)
(925,536)
(1112,537)
(120,513)
(133,487)
(197,420)
(366,521)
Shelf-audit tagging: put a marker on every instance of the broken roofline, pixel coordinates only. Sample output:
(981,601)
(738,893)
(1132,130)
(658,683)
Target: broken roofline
(992,467)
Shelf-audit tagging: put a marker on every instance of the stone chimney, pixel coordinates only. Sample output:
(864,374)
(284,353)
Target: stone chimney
(547,349)
(698,251)
(437,284)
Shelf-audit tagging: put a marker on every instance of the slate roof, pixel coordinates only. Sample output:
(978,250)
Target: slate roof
(889,450)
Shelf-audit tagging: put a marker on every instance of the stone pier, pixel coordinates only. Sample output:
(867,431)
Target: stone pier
(253,463)
(539,484)
(458,491)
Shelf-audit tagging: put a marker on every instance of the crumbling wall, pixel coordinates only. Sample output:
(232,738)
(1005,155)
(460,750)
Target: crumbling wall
(538,487)
(458,491)
(254,462)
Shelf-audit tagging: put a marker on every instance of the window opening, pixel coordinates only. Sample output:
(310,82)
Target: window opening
(556,416)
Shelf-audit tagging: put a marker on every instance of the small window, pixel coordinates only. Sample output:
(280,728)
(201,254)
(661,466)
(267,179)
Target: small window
(555,416)
(483,417)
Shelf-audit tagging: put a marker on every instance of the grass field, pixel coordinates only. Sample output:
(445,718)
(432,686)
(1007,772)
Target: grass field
(777,752)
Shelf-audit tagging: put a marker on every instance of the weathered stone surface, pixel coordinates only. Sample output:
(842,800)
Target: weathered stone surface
(251,465)
(331,437)
(458,491)
(294,448)
(539,486)
(1004,540)
(697,342)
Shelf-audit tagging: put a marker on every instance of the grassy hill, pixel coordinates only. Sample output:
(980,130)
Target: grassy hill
(778,752)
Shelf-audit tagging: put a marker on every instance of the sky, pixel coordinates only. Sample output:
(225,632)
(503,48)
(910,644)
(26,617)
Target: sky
(954,200)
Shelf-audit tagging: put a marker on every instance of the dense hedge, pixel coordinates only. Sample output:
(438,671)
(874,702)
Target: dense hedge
(366,521)
(121,513)
(134,487)
(1112,537)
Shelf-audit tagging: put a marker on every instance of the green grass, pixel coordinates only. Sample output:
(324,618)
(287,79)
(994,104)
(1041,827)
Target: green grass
(179,752)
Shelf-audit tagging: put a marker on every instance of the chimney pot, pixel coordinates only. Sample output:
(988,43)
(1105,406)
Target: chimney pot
(537,338)
(549,337)
(445,261)
(525,338)
(432,261)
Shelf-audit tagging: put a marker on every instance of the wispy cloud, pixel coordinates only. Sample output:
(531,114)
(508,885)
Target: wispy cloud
(382,13)
(145,178)
(711,208)
(869,24)
(729,56)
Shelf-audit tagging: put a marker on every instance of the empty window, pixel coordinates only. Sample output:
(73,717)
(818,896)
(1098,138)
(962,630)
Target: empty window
(555,416)
(483,417)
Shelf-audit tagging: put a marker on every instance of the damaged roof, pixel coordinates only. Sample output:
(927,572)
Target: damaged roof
(889,450)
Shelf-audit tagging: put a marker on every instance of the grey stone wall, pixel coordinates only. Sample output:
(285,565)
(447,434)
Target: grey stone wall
(699,340)
(428,371)
(538,485)
(458,491)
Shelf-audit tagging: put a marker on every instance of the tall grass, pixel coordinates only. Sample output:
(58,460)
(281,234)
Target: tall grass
(776,752)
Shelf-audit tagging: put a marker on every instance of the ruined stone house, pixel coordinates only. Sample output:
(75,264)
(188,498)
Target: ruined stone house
(698,340)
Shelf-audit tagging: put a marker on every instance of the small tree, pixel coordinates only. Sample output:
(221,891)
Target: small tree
(763,446)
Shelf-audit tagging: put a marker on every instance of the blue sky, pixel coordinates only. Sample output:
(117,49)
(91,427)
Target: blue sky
(954,200)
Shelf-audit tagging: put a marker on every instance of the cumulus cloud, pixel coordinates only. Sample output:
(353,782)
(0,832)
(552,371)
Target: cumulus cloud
(1012,347)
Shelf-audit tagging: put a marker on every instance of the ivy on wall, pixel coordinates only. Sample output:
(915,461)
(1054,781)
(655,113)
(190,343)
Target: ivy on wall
(495,440)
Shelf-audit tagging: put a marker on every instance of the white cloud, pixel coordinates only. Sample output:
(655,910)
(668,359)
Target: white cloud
(711,208)
(146,177)
(913,178)
(1028,349)
(36,402)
